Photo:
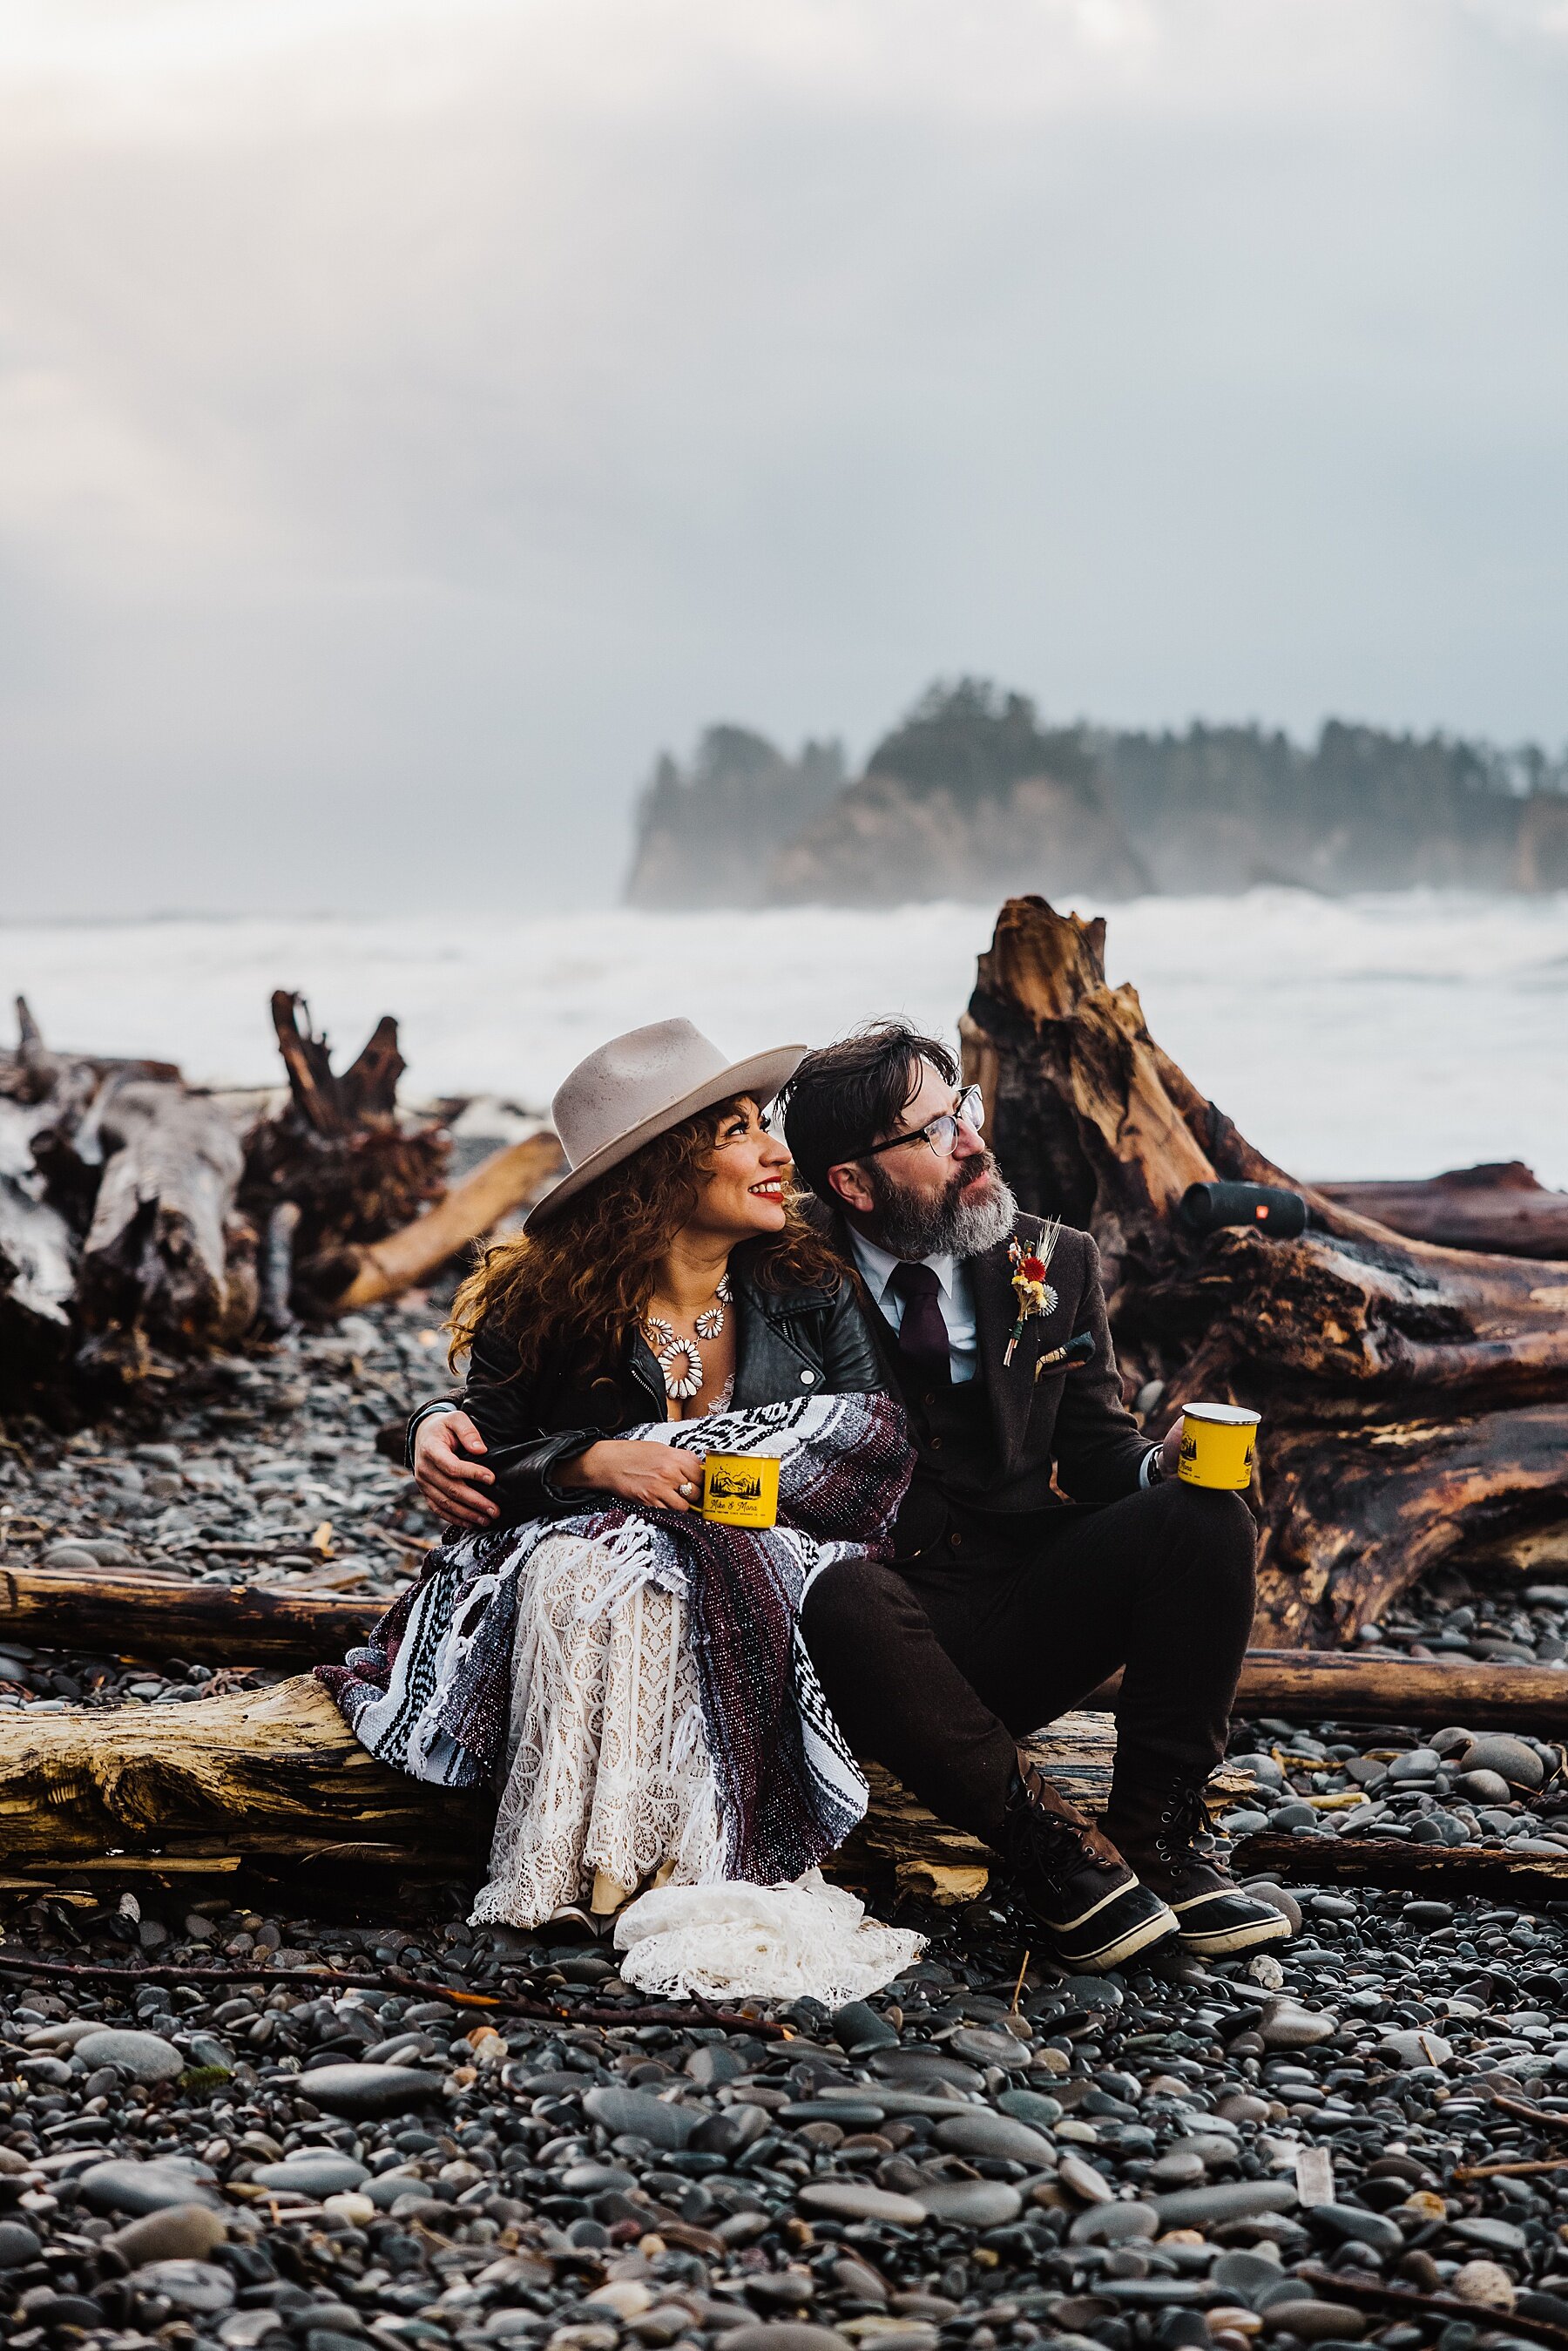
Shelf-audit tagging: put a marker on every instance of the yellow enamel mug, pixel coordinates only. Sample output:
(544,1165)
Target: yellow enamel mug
(1219,1444)
(740,1489)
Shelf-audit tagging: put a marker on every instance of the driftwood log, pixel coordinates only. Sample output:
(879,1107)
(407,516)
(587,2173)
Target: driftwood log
(277,1776)
(1449,1872)
(1415,1399)
(250,1624)
(511,1178)
(278,1780)
(1500,1208)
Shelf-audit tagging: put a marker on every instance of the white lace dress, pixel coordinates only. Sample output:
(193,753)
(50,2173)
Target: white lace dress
(608,1776)
(610,1782)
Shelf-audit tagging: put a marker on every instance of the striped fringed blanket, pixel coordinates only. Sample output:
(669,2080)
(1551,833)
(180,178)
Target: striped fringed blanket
(431,1691)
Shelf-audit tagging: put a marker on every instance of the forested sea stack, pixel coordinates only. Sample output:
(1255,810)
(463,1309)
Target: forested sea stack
(972,795)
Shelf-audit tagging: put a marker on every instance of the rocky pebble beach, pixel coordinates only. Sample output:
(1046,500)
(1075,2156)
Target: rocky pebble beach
(1353,2138)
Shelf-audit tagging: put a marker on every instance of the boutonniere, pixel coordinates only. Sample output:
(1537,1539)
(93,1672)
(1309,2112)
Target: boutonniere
(1031,1264)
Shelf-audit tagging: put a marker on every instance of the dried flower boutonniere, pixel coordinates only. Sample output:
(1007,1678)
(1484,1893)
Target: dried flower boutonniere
(1030,1287)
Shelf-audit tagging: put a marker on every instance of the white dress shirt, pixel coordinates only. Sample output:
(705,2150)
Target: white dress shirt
(955,1298)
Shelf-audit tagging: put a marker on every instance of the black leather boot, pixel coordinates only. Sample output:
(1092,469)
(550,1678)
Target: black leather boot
(1074,1881)
(1162,1826)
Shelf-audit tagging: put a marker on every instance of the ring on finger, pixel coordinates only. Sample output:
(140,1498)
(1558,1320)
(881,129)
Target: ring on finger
(686,1490)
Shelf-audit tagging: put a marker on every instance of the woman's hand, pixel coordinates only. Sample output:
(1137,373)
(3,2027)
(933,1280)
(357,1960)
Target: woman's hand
(638,1471)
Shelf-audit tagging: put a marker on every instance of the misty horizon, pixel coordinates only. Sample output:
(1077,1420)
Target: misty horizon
(414,418)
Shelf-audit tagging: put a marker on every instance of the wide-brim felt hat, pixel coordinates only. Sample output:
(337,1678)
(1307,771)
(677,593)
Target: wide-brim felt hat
(640,1085)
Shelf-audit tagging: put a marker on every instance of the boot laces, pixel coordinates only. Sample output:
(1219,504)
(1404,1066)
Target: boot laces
(1043,1842)
(1183,1836)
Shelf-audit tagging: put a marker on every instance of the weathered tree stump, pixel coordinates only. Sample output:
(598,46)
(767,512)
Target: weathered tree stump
(1415,1399)
(339,1154)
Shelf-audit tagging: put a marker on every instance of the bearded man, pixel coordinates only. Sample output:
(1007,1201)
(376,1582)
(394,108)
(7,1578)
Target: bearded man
(1044,1542)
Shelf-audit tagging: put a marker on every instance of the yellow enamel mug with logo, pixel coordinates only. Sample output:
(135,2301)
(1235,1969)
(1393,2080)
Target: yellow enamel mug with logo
(740,1489)
(1219,1444)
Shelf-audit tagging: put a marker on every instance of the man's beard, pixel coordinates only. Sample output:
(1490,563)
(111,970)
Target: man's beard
(913,1225)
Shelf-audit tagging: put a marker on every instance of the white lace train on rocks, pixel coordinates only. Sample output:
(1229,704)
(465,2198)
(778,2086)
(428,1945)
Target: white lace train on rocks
(607,1763)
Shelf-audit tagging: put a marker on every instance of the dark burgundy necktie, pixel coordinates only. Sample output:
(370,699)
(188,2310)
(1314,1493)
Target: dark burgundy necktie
(922,1333)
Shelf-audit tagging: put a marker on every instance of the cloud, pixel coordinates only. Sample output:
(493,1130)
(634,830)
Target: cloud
(411,415)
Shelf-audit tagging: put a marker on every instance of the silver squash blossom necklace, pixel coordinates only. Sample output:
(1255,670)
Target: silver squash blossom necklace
(672,1350)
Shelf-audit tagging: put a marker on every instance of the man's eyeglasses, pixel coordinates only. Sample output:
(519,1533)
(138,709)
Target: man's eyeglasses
(942,1134)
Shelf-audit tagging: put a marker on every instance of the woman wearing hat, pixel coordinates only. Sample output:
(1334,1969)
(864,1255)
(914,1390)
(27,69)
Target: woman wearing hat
(668,1279)
(666,1276)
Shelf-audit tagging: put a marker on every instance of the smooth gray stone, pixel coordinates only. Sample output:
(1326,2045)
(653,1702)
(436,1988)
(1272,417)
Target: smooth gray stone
(181,2232)
(859,2026)
(1114,2224)
(385,2189)
(712,2064)
(44,2072)
(1279,1898)
(207,2050)
(785,2335)
(1510,1758)
(595,2178)
(145,2056)
(1419,2047)
(199,2287)
(1483,1787)
(1350,2223)
(1086,2180)
(1283,2025)
(366,2092)
(849,2114)
(74,1557)
(980,2133)
(1228,2199)
(312,2175)
(972,2203)
(1181,2168)
(732,2130)
(1090,1992)
(1156,2293)
(1244,2274)
(1031,2107)
(1416,1763)
(633,2113)
(978,2046)
(917,2068)
(848,2200)
(1493,2236)
(124,2186)
(17,2244)
(897,2103)
(1316,2322)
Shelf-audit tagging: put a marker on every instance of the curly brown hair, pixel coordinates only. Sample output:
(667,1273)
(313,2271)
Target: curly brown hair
(587,1273)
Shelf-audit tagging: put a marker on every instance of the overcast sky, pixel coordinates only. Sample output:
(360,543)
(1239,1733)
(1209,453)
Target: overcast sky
(413,413)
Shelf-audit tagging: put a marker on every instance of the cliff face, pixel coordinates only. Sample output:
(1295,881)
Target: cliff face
(706,836)
(970,797)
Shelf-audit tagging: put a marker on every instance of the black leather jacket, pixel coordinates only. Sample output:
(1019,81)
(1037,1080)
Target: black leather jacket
(788,1343)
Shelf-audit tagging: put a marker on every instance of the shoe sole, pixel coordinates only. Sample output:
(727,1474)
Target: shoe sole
(1219,1941)
(1122,1948)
